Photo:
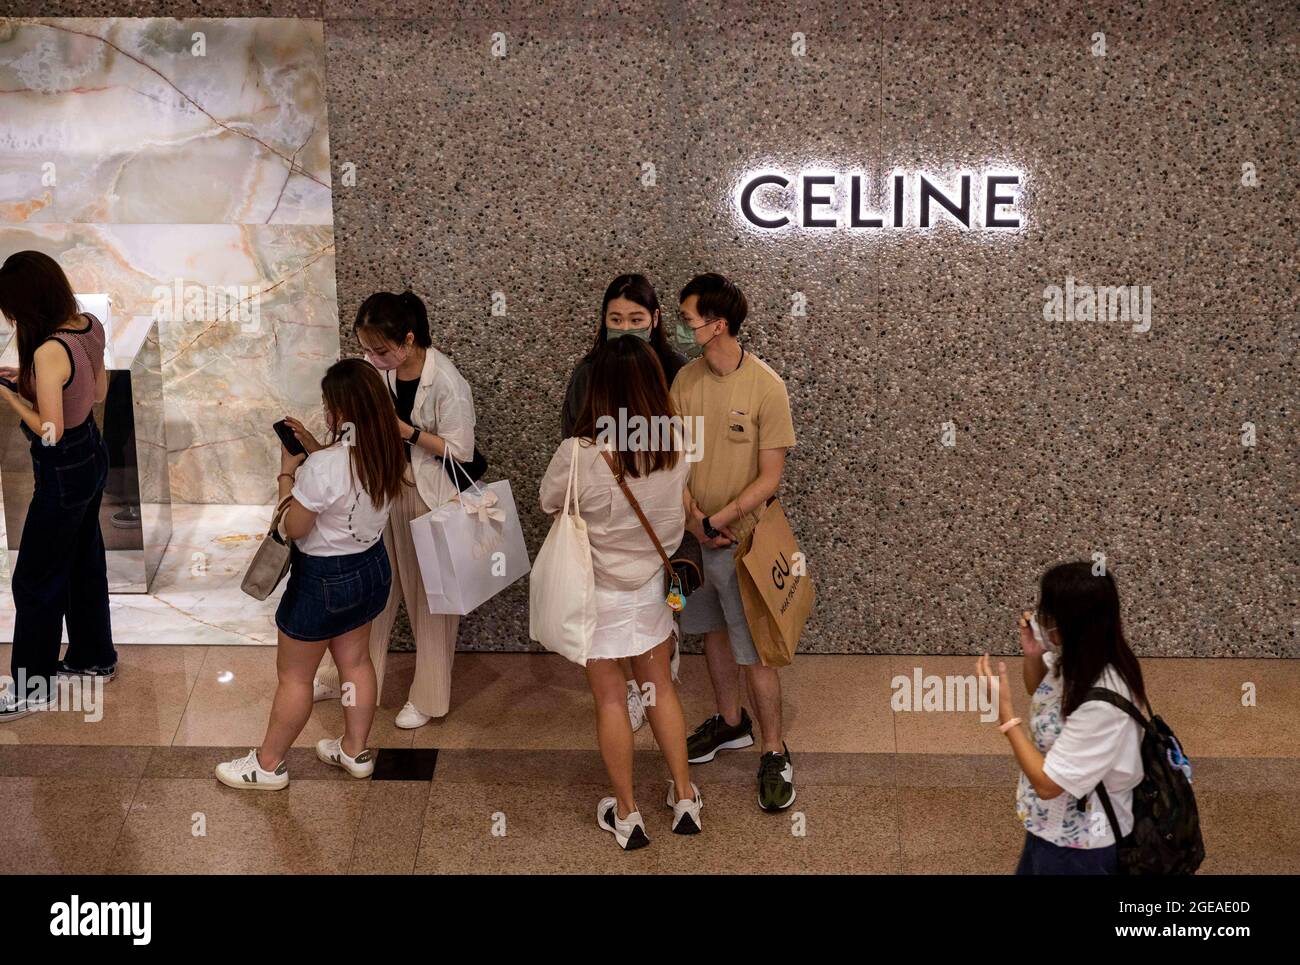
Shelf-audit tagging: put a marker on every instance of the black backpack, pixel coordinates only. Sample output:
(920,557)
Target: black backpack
(1166,835)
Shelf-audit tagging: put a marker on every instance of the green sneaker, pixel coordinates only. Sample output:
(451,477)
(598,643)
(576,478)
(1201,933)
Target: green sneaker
(776,780)
(715,734)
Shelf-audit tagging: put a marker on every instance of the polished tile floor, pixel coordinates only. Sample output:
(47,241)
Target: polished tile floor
(517,775)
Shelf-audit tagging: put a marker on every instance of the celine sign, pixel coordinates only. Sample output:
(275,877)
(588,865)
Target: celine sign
(819,199)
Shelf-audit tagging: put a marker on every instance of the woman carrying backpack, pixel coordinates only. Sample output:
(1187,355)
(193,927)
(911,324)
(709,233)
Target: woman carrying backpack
(1073,643)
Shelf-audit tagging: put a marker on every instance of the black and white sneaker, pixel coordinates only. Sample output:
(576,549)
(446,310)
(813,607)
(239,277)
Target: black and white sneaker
(13,707)
(686,812)
(107,673)
(629,832)
(715,734)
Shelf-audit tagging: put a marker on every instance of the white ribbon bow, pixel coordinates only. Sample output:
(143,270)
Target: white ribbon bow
(484,506)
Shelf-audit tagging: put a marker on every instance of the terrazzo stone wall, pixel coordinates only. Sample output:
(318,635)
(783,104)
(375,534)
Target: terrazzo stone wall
(1158,148)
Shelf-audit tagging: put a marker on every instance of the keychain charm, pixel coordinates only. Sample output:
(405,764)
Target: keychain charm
(676,602)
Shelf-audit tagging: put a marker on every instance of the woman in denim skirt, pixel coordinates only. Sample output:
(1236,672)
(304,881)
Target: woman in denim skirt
(339,575)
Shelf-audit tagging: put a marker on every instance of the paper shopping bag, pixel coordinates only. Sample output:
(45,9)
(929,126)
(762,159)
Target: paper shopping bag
(775,588)
(470,548)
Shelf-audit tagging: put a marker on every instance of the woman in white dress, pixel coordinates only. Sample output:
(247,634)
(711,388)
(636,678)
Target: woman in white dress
(615,435)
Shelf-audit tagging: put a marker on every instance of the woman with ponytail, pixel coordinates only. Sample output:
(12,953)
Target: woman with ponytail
(433,411)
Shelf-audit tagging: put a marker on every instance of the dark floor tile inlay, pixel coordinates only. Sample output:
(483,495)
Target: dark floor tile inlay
(405,764)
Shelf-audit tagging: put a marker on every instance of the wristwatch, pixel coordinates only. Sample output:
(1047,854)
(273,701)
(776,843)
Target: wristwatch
(415,434)
(709,531)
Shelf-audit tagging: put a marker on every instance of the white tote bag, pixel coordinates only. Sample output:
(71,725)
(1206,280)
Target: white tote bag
(470,548)
(562,588)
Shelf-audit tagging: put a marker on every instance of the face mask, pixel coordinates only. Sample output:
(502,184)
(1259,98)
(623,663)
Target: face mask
(642,333)
(386,361)
(686,335)
(1041,635)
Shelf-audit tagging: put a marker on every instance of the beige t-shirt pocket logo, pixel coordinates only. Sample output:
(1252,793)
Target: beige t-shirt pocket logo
(740,427)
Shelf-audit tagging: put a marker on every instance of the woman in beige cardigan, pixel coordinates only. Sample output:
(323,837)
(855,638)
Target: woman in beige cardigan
(435,415)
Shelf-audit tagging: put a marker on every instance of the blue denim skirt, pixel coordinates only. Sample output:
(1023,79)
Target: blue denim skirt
(329,595)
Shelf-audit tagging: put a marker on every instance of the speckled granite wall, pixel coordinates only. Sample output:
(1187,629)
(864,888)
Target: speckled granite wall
(523,175)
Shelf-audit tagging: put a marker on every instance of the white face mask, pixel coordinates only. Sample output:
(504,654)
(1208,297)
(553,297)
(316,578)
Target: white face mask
(1040,635)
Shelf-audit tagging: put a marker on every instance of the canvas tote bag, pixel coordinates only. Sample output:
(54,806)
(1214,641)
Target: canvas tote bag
(562,586)
(271,561)
(775,588)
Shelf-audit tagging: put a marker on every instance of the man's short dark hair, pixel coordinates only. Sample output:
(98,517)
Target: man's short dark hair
(718,298)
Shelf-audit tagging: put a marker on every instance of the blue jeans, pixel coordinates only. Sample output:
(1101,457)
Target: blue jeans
(1041,857)
(61,572)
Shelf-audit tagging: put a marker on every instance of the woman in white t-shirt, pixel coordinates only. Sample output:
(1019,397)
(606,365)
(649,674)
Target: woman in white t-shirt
(624,416)
(339,576)
(1074,642)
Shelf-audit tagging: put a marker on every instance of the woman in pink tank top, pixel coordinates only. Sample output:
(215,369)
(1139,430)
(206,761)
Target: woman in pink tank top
(61,573)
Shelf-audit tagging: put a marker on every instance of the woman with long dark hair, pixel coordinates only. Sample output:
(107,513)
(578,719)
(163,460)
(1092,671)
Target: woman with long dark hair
(630,309)
(1073,643)
(339,575)
(432,408)
(61,572)
(616,438)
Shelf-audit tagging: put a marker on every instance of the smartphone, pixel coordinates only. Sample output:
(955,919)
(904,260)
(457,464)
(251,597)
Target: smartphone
(287,437)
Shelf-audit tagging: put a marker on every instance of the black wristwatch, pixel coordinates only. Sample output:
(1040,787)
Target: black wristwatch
(415,434)
(709,531)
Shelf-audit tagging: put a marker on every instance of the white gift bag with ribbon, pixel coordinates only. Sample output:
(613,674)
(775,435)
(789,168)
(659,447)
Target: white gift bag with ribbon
(470,548)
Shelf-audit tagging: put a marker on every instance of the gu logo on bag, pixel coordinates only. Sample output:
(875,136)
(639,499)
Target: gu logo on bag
(783,569)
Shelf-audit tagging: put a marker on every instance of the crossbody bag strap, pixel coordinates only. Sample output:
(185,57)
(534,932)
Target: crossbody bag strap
(636,508)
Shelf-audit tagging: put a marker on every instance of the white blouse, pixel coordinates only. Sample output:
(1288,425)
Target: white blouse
(622,555)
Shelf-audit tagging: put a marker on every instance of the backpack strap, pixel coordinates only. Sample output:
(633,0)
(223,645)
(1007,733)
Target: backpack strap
(1123,703)
(1110,811)
(1117,700)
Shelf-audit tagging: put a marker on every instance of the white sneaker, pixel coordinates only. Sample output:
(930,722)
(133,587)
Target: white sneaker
(322,691)
(686,813)
(635,709)
(246,774)
(629,832)
(331,752)
(408,718)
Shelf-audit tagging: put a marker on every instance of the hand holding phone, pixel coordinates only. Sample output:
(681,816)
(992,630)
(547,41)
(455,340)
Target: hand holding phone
(288,439)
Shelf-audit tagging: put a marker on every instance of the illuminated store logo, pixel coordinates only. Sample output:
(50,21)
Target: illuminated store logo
(816,199)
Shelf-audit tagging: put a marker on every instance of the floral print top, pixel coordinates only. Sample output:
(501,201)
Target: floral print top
(1059,820)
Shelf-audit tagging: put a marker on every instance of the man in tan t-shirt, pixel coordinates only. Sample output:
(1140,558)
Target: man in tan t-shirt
(746,431)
